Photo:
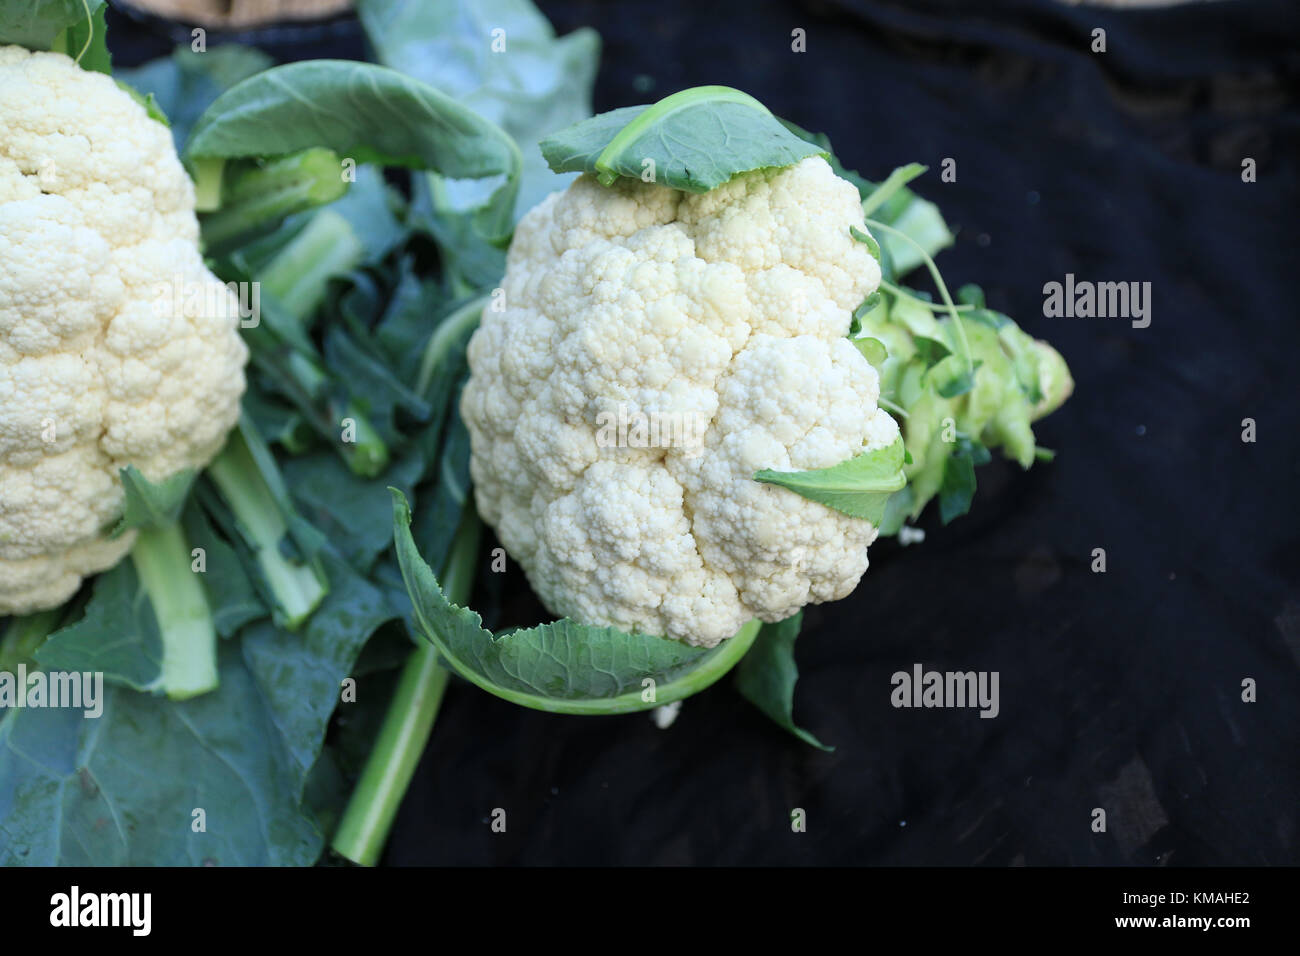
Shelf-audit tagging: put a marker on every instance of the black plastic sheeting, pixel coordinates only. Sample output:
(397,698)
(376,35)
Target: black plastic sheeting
(1120,691)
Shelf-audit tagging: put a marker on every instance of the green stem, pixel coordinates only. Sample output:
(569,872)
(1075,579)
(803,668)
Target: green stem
(296,588)
(208,173)
(189,638)
(896,181)
(449,330)
(255,197)
(409,722)
(938,281)
(300,272)
(892,407)
(904,294)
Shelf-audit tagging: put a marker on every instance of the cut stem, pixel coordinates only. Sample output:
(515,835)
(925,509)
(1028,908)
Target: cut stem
(296,588)
(409,722)
(162,559)
(254,198)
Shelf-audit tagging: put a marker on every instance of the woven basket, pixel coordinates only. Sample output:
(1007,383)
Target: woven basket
(241,13)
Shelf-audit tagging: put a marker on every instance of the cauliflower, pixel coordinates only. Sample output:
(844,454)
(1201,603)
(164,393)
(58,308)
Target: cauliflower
(727,311)
(117,346)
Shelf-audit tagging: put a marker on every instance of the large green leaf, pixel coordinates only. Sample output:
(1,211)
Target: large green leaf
(366,113)
(500,58)
(36,23)
(117,636)
(857,487)
(563,667)
(122,788)
(86,41)
(186,83)
(694,140)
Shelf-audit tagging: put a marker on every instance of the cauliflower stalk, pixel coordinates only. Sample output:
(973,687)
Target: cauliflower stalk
(727,310)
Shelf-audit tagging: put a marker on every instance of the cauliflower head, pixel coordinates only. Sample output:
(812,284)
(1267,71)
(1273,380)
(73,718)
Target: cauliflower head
(652,350)
(117,346)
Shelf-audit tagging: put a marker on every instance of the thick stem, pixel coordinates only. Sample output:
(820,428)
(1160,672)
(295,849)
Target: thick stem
(254,198)
(296,588)
(411,714)
(189,637)
(300,272)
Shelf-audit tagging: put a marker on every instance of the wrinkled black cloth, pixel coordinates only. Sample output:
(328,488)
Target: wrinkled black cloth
(1119,690)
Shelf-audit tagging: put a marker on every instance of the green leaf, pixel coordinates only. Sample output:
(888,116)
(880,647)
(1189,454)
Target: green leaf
(921,221)
(539,83)
(366,113)
(36,24)
(117,635)
(931,351)
(857,487)
(120,789)
(149,103)
(697,140)
(866,239)
(896,180)
(440,512)
(953,378)
(148,504)
(255,509)
(86,41)
(971,294)
(186,83)
(873,350)
(563,667)
(958,487)
(361,531)
(766,677)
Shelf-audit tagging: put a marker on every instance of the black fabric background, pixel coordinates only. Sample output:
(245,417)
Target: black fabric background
(1119,690)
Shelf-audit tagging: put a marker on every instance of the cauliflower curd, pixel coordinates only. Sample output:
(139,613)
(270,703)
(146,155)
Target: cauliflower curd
(102,365)
(729,308)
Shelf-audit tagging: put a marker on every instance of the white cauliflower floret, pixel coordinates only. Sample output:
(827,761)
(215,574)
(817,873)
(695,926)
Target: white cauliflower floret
(117,346)
(657,349)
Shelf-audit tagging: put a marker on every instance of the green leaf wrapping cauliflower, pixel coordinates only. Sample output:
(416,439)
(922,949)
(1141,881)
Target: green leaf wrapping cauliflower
(721,317)
(117,346)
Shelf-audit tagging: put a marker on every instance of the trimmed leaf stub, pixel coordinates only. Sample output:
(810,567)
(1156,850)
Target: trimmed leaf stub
(694,141)
(147,504)
(857,487)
